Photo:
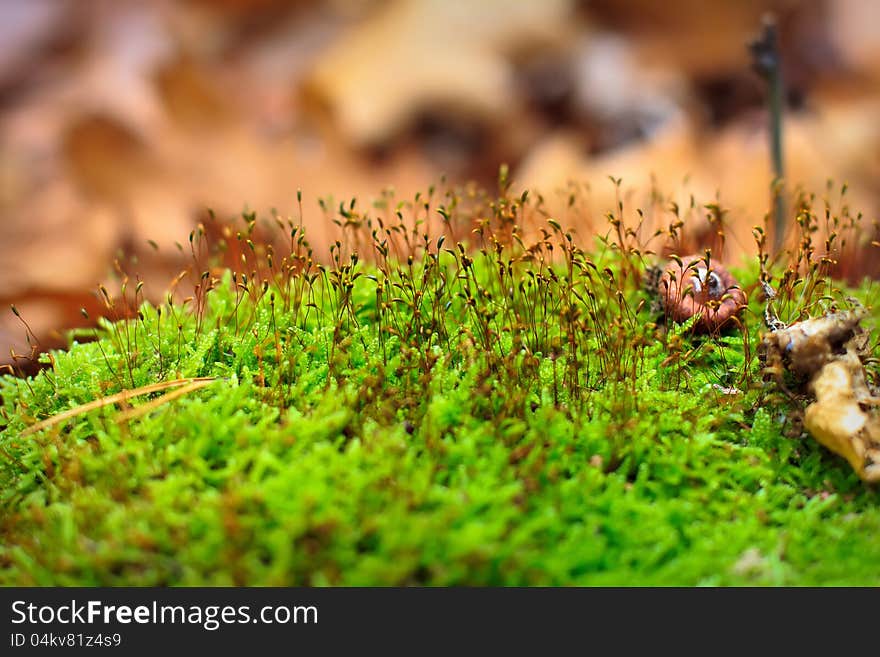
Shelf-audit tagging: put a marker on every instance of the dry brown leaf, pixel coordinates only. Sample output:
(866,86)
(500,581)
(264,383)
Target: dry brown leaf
(412,56)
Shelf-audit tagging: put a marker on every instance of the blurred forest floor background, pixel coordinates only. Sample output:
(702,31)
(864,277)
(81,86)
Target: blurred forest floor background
(121,121)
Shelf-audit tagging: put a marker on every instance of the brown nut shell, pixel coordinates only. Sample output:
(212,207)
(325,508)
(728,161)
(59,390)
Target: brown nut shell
(689,287)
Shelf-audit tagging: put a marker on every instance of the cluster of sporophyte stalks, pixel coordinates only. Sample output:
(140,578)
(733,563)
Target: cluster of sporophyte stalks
(460,391)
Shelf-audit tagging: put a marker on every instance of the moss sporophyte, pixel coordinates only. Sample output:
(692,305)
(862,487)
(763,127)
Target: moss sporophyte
(461,391)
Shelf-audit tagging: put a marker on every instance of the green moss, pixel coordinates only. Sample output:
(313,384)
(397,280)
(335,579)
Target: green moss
(494,413)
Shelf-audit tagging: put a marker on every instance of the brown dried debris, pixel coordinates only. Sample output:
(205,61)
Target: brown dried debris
(828,351)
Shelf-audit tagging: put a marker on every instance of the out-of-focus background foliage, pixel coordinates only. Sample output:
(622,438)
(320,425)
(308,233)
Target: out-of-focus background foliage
(121,121)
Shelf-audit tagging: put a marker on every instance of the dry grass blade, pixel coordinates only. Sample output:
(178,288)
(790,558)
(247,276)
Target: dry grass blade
(113,399)
(164,399)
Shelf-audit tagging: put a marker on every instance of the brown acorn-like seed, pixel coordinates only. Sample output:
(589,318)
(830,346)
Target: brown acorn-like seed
(690,287)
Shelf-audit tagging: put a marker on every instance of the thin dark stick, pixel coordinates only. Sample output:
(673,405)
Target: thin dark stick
(768,63)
